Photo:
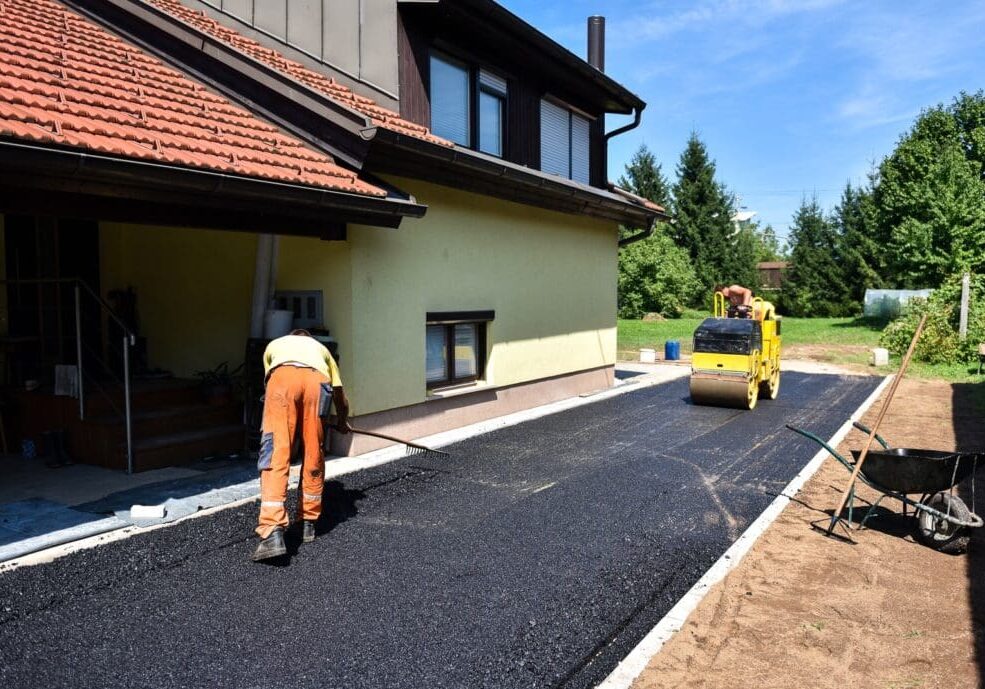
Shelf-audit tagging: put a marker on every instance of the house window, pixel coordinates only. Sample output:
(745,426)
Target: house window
(564,142)
(492,113)
(468,105)
(450,100)
(456,347)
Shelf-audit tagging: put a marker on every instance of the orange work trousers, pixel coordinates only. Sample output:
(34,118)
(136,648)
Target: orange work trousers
(291,401)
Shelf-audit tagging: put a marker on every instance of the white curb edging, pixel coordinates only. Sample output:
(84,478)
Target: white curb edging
(633,664)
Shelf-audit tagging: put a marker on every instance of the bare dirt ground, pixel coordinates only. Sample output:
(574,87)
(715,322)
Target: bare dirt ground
(802,610)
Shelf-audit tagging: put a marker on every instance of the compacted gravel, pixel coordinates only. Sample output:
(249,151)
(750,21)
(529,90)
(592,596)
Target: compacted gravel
(535,556)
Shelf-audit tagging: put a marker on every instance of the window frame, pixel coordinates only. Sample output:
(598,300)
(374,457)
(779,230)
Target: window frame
(572,112)
(503,96)
(448,320)
(476,87)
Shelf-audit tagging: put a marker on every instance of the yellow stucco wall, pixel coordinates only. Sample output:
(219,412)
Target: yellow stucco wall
(313,264)
(550,277)
(193,291)
(195,287)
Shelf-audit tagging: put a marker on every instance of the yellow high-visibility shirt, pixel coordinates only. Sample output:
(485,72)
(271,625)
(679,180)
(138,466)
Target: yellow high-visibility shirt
(300,350)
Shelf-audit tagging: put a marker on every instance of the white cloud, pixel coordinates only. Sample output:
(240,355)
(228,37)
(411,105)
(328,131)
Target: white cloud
(896,54)
(654,22)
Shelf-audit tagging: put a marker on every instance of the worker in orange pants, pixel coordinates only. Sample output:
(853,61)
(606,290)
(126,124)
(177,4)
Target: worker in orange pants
(302,381)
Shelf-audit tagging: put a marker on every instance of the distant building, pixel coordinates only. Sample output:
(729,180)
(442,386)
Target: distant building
(772,273)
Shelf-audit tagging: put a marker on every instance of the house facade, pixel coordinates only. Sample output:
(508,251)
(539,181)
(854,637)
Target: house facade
(422,183)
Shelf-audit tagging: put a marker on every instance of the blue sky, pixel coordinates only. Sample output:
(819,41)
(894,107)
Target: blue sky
(791,97)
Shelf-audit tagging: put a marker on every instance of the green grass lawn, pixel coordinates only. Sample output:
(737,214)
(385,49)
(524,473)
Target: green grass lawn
(634,335)
(855,331)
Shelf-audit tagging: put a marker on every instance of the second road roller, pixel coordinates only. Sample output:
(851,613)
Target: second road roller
(736,358)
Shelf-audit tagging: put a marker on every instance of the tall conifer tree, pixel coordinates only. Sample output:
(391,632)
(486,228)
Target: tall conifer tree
(702,212)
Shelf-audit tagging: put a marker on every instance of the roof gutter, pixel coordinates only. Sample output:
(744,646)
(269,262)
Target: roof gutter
(498,173)
(640,236)
(637,116)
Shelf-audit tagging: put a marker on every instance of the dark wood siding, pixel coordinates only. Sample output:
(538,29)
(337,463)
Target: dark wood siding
(412,46)
(523,125)
(599,160)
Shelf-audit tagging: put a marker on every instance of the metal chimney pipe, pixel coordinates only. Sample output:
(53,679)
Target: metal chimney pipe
(596,42)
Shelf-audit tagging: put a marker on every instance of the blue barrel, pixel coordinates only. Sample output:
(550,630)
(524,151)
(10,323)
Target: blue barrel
(672,350)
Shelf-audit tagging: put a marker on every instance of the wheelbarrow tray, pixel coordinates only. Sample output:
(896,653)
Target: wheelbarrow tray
(906,470)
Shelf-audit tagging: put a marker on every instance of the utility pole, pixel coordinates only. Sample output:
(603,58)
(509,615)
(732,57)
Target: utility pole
(963,324)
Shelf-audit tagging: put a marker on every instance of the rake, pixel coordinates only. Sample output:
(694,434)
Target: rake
(413,449)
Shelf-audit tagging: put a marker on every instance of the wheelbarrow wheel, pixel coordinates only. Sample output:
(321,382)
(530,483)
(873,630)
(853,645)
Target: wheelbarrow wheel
(941,534)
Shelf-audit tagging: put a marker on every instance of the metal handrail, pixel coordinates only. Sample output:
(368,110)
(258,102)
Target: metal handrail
(129,340)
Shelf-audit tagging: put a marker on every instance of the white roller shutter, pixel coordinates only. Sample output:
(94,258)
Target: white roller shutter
(555,142)
(492,81)
(450,101)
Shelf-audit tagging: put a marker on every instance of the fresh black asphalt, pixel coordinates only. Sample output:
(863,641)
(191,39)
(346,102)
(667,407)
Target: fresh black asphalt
(535,556)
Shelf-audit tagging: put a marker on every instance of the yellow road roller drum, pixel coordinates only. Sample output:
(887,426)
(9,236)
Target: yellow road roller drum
(736,360)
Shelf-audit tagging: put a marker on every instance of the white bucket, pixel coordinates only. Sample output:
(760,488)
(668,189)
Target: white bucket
(880,356)
(648,356)
(277,322)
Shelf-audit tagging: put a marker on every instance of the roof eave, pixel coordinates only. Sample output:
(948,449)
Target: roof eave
(115,188)
(469,170)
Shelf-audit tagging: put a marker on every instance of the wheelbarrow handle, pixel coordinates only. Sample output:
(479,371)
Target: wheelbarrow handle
(865,429)
(834,453)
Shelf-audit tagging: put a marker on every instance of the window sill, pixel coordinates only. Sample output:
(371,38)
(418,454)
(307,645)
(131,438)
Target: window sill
(457,390)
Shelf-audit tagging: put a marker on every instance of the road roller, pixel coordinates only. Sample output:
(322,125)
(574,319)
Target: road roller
(736,357)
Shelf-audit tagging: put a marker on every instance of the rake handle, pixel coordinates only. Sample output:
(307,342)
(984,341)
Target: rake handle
(875,426)
(394,439)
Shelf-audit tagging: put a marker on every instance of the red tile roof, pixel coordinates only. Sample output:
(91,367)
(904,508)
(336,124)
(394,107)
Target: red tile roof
(66,81)
(380,117)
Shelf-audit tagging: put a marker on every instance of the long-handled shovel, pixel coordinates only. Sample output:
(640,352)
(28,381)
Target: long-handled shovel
(835,516)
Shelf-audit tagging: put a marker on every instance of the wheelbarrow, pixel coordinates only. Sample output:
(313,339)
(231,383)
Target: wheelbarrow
(942,517)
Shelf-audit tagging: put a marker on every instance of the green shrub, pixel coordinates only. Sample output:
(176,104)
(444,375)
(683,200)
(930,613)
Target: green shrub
(655,275)
(940,343)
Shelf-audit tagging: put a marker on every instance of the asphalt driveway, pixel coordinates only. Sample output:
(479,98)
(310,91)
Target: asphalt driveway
(536,556)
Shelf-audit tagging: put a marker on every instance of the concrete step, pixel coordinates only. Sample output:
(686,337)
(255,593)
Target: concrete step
(171,419)
(169,449)
(144,394)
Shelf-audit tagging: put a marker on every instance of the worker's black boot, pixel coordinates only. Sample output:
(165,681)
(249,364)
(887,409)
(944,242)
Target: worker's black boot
(308,533)
(271,546)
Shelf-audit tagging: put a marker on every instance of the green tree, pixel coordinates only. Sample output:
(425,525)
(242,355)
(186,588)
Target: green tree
(767,245)
(930,198)
(857,252)
(644,177)
(740,262)
(814,284)
(655,275)
(702,217)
